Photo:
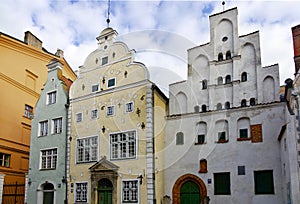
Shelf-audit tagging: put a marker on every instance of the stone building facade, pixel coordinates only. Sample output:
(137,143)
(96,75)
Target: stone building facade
(228,137)
(116,122)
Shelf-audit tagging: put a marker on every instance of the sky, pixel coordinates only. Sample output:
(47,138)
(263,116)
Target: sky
(159,31)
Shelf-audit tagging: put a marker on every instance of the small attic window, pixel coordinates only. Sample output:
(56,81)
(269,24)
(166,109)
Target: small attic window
(105,46)
(105,37)
(224,39)
(113,55)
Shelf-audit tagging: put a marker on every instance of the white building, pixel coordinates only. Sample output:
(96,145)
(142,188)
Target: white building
(228,137)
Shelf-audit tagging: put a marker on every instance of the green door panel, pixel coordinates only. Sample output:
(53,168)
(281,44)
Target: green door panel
(189,193)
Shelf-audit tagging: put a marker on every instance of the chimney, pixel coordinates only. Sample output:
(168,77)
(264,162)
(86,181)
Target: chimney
(296,42)
(59,53)
(32,40)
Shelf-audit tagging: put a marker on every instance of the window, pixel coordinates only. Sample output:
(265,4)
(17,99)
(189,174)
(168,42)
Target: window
(78,117)
(56,125)
(219,106)
(129,107)
(95,88)
(94,114)
(228,55)
(48,159)
(201,132)
(104,60)
(252,101)
(43,128)
(221,131)
(179,138)
(123,145)
(130,191)
(201,139)
(111,82)
(221,136)
(4,160)
(263,182)
(110,110)
(87,149)
(244,77)
(81,192)
(204,84)
(28,113)
(203,108)
(222,183)
(244,133)
(228,79)
(51,97)
(243,103)
(227,105)
(220,56)
(220,80)
(196,109)
(203,166)
(241,170)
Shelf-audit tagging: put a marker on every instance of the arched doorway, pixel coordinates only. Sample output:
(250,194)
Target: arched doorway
(48,193)
(105,189)
(189,189)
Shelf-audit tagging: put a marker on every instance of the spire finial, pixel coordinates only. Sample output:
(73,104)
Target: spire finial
(108,13)
(223,3)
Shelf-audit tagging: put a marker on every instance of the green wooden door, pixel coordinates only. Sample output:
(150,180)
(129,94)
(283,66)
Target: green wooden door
(48,197)
(104,192)
(189,193)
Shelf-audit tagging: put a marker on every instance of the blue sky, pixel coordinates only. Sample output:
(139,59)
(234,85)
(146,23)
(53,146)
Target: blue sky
(157,27)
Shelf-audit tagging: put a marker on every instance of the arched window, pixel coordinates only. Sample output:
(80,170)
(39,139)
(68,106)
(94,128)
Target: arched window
(196,108)
(203,108)
(220,80)
(179,138)
(220,56)
(243,126)
(244,76)
(244,103)
(228,79)
(252,101)
(204,84)
(227,105)
(228,55)
(203,166)
(219,106)
(201,133)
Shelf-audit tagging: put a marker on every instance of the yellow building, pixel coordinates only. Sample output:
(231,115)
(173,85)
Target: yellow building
(23,72)
(117,129)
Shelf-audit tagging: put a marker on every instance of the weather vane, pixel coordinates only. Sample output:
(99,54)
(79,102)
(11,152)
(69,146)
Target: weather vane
(223,3)
(108,13)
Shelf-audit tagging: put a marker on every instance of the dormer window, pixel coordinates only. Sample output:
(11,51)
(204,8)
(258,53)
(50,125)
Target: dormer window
(220,56)
(228,55)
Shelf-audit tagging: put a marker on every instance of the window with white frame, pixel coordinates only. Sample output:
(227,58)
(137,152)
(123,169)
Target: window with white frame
(130,191)
(43,128)
(94,114)
(95,88)
(51,97)
(110,110)
(48,159)
(129,107)
(87,149)
(104,60)
(111,82)
(28,113)
(81,192)
(56,125)
(123,145)
(78,117)
(4,160)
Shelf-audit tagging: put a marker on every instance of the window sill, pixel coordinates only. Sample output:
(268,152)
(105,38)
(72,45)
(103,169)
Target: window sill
(222,141)
(201,171)
(47,169)
(243,139)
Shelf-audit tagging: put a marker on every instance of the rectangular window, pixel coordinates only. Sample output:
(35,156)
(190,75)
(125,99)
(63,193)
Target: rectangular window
(222,183)
(4,160)
(111,82)
(123,145)
(57,126)
(28,112)
(81,192)
(95,88)
(48,159)
(43,128)
(263,182)
(201,139)
(94,114)
(241,170)
(51,97)
(87,149)
(129,107)
(130,191)
(78,117)
(244,133)
(110,110)
(221,136)
(104,60)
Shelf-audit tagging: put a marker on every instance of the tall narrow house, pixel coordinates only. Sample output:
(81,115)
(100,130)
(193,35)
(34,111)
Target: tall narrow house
(47,180)
(228,137)
(117,121)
